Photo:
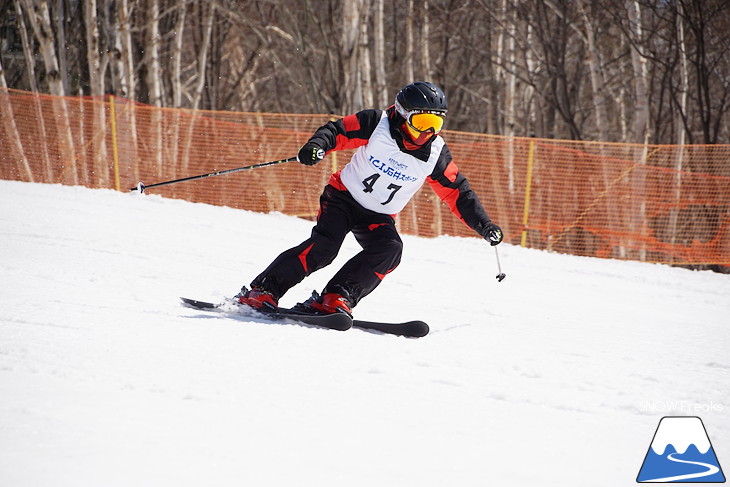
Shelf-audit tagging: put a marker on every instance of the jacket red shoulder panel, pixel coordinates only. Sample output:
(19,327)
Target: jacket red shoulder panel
(349,132)
(453,189)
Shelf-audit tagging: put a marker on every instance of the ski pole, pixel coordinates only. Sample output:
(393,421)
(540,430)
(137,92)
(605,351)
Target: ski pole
(141,187)
(501,274)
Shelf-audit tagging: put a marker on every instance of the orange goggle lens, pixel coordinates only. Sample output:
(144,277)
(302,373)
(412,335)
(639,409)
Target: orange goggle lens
(426,121)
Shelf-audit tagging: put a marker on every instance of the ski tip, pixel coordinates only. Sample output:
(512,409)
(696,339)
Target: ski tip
(193,303)
(408,329)
(417,329)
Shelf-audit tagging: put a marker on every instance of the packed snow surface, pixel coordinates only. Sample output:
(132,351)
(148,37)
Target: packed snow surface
(557,375)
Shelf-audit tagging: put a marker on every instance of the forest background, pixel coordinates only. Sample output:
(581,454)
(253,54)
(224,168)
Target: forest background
(636,71)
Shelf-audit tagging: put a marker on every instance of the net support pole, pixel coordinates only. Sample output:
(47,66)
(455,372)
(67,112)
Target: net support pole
(115,147)
(528,190)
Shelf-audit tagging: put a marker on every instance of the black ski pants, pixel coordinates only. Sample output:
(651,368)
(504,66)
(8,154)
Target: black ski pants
(339,214)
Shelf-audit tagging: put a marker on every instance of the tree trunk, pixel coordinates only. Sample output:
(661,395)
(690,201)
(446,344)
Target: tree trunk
(363,66)
(200,84)
(96,83)
(114,45)
(91,22)
(128,88)
(680,125)
(597,82)
(154,81)
(40,21)
(529,95)
(59,15)
(382,97)
(6,113)
(352,98)
(30,66)
(510,92)
(203,54)
(176,81)
(637,219)
(127,116)
(424,53)
(409,42)
(638,63)
(154,71)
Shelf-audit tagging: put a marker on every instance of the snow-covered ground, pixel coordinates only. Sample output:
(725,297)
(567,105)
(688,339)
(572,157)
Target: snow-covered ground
(558,375)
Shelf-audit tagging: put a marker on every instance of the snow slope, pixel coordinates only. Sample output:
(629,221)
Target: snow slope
(558,375)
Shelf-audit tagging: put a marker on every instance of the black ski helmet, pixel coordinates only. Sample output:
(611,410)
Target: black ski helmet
(421,95)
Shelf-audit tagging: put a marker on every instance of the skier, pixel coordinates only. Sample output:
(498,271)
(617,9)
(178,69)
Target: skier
(398,149)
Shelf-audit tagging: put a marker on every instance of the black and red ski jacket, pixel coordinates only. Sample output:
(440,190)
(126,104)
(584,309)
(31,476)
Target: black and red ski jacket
(450,185)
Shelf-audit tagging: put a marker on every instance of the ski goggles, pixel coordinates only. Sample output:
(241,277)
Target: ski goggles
(423,120)
(426,121)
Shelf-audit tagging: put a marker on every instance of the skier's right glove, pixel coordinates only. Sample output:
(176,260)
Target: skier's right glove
(491,233)
(310,154)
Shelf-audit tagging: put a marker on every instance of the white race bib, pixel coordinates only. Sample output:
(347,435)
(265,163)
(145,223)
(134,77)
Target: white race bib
(381,177)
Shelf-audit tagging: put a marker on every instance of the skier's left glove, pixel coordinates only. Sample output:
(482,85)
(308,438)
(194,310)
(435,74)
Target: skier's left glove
(310,154)
(491,233)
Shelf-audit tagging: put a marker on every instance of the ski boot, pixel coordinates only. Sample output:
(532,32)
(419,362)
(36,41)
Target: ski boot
(257,298)
(326,304)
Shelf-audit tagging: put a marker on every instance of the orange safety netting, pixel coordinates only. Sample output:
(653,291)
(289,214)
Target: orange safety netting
(667,204)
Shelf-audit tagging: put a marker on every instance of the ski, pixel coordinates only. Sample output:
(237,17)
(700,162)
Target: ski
(410,329)
(337,321)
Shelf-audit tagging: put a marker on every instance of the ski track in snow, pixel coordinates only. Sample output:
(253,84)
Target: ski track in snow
(541,379)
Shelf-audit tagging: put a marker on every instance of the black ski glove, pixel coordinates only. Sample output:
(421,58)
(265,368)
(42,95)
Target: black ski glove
(310,154)
(491,233)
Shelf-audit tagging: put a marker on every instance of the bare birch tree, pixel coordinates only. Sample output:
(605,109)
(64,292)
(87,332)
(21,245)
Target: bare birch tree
(593,58)
(200,82)
(60,9)
(30,65)
(380,85)
(410,33)
(352,79)
(203,54)
(637,218)
(638,63)
(40,21)
(152,61)
(6,113)
(93,51)
(154,79)
(128,88)
(364,66)
(96,83)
